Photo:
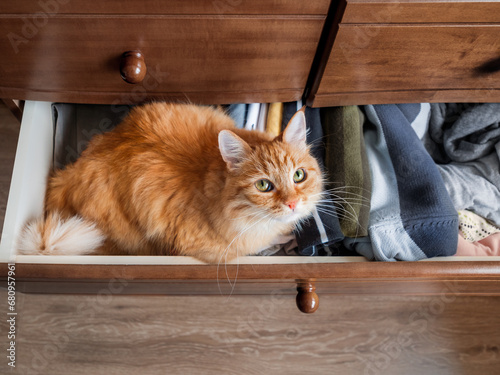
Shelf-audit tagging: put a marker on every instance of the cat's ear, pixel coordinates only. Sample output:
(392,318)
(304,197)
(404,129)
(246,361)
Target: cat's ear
(295,132)
(232,148)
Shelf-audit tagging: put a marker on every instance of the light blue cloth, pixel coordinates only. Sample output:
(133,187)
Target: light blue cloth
(475,185)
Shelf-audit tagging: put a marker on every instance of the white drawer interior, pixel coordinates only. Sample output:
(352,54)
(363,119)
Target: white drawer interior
(32,165)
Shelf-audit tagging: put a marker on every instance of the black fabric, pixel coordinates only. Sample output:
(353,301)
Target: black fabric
(76,124)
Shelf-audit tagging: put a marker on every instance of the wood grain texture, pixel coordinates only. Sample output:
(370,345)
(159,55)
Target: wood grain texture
(116,334)
(467,270)
(401,278)
(231,286)
(328,35)
(422,12)
(203,59)
(407,96)
(372,59)
(217,7)
(138,94)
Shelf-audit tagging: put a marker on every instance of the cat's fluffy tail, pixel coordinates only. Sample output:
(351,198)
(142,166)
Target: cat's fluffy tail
(56,236)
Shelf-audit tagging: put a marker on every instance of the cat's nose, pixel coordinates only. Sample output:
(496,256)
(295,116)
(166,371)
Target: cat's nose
(292,204)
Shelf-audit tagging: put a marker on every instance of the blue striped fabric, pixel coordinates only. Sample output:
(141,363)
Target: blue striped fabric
(412,216)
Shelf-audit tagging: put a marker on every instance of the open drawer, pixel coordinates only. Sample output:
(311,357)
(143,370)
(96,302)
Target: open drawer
(183,275)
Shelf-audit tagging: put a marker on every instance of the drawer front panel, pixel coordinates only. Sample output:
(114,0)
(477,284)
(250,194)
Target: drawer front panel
(383,63)
(222,7)
(204,59)
(411,11)
(401,278)
(182,275)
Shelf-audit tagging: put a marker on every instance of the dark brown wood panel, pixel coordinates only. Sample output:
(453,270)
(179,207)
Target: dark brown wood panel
(365,11)
(235,286)
(203,59)
(401,278)
(408,96)
(394,63)
(466,270)
(222,7)
(133,96)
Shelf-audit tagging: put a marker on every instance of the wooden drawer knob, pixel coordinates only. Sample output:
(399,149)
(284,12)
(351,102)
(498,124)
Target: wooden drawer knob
(307,299)
(133,67)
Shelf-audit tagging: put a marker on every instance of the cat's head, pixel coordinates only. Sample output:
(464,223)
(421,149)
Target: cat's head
(277,178)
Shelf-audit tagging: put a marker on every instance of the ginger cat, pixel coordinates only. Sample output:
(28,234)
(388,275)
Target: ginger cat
(178,179)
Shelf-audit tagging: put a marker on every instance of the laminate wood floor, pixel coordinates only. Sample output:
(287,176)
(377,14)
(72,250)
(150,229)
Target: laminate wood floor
(114,334)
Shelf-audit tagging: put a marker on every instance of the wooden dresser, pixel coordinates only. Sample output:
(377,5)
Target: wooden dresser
(329,54)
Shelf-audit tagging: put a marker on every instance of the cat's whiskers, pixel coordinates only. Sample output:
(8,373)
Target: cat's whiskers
(333,197)
(340,209)
(346,201)
(340,200)
(340,212)
(238,262)
(247,215)
(298,225)
(340,190)
(301,222)
(337,214)
(336,198)
(226,250)
(356,187)
(354,200)
(353,219)
(317,140)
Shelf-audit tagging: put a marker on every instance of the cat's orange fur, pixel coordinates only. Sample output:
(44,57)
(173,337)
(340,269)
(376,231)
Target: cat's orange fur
(158,184)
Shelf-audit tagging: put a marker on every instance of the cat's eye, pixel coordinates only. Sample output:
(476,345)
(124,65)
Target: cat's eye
(299,175)
(264,185)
